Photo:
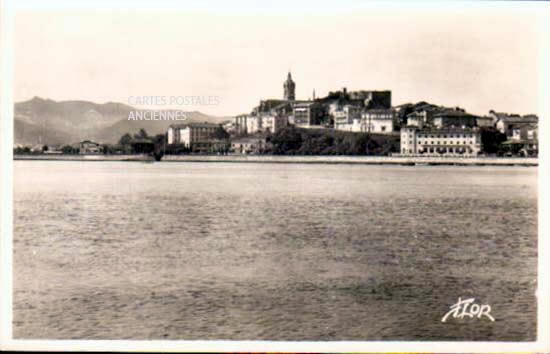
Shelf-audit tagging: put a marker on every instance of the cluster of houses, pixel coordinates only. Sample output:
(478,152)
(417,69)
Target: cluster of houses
(430,131)
(424,129)
(85,147)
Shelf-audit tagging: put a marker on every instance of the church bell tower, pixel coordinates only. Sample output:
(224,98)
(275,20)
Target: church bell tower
(289,88)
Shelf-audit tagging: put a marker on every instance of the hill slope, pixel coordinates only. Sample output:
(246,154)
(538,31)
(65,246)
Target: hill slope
(44,121)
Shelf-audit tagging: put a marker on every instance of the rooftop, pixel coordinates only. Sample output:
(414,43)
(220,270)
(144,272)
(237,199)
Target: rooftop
(453,113)
(194,125)
(531,118)
(446,130)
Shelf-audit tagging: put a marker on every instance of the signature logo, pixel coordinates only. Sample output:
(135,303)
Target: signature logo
(467,308)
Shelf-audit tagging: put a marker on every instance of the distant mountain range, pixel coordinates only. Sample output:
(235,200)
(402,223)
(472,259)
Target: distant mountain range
(44,121)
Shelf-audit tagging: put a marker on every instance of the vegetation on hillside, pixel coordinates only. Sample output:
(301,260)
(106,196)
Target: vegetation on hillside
(296,141)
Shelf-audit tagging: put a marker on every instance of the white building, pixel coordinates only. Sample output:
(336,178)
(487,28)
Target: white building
(378,121)
(417,119)
(251,124)
(192,134)
(440,142)
(347,118)
(248,145)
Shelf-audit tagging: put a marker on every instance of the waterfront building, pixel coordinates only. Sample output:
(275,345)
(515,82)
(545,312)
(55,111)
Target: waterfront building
(523,139)
(440,141)
(521,132)
(248,145)
(195,136)
(508,123)
(88,147)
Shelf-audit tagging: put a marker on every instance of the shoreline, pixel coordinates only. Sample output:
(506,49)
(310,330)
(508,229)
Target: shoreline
(363,160)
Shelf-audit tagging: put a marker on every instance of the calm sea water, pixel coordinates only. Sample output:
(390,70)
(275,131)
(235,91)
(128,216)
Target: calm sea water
(119,250)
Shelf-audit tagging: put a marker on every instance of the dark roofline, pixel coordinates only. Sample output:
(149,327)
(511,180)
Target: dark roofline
(442,130)
(194,124)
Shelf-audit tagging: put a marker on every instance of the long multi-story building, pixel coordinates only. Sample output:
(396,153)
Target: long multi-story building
(195,136)
(440,142)
(259,123)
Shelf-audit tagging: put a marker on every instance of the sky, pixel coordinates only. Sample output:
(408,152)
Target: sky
(222,61)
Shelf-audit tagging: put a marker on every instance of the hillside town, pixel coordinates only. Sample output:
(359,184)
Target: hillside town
(344,122)
(422,129)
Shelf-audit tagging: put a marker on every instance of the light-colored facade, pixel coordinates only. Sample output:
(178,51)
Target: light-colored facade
(192,135)
(380,121)
(241,124)
(306,114)
(420,118)
(251,124)
(248,145)
(347,117)
(440,142)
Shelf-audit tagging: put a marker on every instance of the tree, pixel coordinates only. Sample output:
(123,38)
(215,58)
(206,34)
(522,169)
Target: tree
(108,149)
(126,139)
(141,135)
(159,139)
(491,140)
(286,141)
(220,134)
(67,149)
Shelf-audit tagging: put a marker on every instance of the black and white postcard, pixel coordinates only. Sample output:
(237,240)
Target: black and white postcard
(320,176)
